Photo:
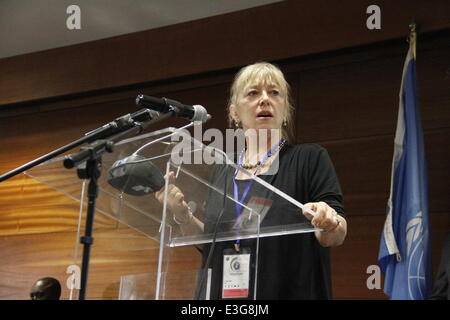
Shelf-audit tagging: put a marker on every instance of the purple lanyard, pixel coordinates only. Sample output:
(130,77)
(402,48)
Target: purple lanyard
(249,184)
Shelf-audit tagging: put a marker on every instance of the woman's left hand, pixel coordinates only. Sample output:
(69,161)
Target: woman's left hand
(326,217)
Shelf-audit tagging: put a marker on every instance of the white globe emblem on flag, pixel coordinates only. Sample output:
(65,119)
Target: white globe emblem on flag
(415,255)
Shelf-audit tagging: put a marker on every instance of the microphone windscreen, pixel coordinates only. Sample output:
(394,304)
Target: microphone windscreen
(135,176)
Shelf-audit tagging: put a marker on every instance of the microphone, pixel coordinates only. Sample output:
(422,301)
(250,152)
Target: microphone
(124,122)
(136,176)
(164,105)
(144,115)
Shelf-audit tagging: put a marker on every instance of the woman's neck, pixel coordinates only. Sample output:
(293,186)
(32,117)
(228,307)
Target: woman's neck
(259,145)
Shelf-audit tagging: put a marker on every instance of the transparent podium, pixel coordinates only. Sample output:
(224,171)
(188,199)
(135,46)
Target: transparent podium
(189,201)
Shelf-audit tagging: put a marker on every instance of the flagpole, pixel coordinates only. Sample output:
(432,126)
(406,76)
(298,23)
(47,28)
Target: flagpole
(412,38)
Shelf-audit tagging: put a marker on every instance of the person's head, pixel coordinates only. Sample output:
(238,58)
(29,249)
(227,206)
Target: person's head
(45,289)
(260,99)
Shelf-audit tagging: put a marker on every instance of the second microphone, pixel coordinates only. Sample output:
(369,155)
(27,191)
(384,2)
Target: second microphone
(164,105)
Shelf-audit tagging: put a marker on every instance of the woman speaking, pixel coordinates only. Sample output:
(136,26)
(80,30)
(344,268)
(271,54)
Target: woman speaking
(290,266)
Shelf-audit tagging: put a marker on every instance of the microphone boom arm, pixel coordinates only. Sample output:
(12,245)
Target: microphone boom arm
(107,130)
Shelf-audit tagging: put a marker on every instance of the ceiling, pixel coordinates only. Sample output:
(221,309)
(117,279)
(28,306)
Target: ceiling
(36,25)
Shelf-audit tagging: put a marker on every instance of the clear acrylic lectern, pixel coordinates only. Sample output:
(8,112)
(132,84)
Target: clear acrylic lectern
(204,176)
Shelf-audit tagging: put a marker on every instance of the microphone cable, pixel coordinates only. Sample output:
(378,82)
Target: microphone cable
(213,243)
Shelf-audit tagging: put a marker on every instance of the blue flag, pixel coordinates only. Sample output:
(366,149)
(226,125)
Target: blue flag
(404,255)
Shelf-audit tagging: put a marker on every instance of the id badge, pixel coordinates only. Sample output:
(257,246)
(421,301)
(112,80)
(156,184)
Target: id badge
(236,273)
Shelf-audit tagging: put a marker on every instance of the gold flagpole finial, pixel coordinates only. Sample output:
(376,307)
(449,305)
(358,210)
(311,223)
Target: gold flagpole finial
(413,37)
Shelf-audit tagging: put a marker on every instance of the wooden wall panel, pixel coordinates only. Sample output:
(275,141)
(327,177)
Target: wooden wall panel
(366,103)
(115,253)
(364,168)
(360,250)
(31,207)
(49,254)
(277,31)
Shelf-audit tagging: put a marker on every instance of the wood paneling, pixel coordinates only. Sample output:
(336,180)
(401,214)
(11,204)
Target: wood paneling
(360,250)
(30,257)
(360,98)
(364,169)
(115,253)
(277,31)
(32,207)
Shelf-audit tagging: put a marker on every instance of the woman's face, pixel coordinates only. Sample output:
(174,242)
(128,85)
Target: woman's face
(259,106)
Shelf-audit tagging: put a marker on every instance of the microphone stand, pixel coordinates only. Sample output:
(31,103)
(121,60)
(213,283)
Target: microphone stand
(118,125)
(88,162)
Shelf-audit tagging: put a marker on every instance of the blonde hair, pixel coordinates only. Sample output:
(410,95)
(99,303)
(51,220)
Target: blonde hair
(263,73)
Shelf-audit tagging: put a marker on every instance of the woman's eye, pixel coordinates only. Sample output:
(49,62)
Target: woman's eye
(252,93)
(275,92)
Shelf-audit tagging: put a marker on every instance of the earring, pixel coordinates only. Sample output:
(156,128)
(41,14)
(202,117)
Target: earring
(284,123)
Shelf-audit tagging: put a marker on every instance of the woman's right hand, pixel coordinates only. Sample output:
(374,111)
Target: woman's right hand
(175,201)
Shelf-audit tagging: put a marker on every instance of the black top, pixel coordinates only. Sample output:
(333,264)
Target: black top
(289,266)
(441,288)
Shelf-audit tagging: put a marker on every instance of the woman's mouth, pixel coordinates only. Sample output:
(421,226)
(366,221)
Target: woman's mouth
(264,114)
